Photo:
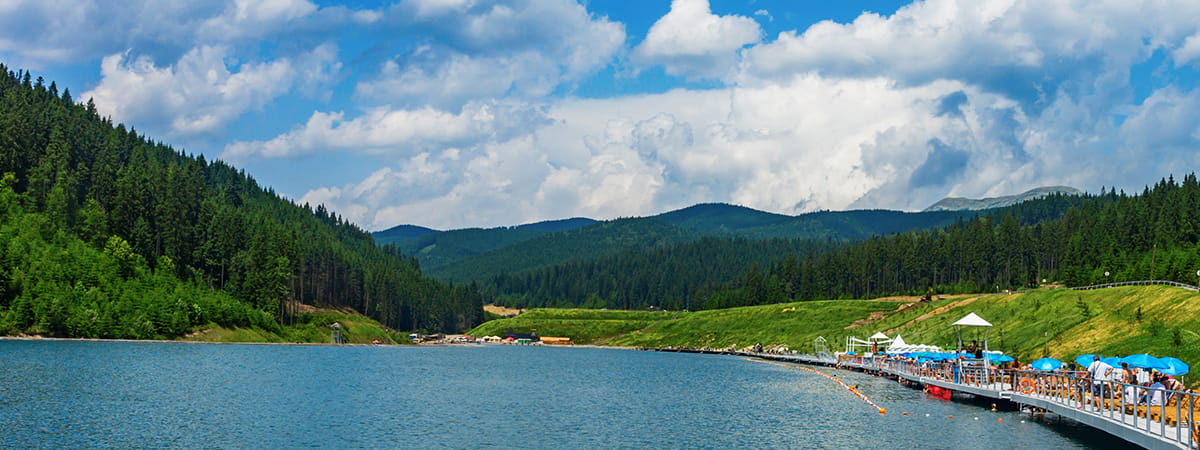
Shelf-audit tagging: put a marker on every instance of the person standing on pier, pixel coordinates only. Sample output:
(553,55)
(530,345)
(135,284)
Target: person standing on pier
(1130,378)
(1099,372)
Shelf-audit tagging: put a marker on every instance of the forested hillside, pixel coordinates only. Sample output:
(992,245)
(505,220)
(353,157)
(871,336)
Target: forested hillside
(1107,238)
(479,254)
(105,233)
(711,272)
(674,277)
(594,241)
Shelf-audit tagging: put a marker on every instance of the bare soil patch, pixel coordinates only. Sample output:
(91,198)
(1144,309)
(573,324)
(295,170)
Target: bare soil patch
(500,310)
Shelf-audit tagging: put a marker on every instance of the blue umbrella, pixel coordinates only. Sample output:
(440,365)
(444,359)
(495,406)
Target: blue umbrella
(1046,364)
(1112,361)
(997,359)
(851,353)
(1144,361)
(1175,367)
(1085,360)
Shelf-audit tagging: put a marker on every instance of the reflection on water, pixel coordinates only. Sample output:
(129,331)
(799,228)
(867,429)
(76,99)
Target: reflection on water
(123,394)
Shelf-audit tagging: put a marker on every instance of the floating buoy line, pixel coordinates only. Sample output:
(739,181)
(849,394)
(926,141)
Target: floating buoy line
(852,389)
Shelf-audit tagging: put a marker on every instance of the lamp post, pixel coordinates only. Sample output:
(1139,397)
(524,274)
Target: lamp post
(1105,277)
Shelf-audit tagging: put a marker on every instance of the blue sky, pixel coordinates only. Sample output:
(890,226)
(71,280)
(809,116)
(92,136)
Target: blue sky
(461,113)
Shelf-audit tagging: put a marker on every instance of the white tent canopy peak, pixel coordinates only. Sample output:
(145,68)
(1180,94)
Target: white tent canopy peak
(972,320)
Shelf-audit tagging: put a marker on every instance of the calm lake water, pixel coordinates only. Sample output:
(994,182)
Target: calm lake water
(65,394)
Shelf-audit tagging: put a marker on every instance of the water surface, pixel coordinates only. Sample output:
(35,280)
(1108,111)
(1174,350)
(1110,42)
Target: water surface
(127,394)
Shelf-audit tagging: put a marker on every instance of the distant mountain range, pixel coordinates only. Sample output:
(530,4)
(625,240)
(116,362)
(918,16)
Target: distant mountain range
(475,254)
(968,204)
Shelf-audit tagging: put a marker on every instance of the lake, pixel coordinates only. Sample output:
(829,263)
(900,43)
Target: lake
(128,394)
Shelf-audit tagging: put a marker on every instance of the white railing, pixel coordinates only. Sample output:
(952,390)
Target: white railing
(1168,415)
(1138,283)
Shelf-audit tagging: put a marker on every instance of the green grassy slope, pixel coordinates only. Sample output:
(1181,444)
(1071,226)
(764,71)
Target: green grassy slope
(310,328)
(1058,323)
(583,326)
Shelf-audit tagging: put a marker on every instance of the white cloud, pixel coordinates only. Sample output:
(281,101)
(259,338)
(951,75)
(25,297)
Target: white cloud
(249,20)
(245,18)
(198,94)
(691,41)
(476,50)
(37,33)
(1189,52)
(466,120)
(401,132)
(1162,133)
(459,79)
(1023,49)
(45,32)
(788,148)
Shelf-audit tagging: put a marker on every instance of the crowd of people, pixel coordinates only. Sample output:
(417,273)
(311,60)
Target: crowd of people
(1123,382)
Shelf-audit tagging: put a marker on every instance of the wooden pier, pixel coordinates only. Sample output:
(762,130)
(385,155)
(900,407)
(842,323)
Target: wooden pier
(1168,426)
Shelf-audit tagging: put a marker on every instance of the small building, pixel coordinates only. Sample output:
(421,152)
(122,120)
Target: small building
(556,340)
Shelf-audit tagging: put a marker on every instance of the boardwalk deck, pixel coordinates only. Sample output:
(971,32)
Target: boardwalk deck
(1170,428)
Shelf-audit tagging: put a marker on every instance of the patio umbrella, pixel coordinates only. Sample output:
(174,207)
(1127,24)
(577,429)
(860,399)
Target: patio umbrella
(997,359)
(1144,361)
(1175,367)
(1085,360)
(1046,364)
(1112,361)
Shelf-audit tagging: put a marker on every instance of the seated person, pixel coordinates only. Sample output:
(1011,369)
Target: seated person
(1154,393)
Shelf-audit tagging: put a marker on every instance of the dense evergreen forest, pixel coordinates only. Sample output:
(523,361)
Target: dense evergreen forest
(668,276)
(1149,236)
(104,233)
(1065,239)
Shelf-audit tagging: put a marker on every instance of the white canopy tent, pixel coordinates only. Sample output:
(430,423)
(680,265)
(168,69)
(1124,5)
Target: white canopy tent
(972,320)
(899,346)
(873,343)
(982,327)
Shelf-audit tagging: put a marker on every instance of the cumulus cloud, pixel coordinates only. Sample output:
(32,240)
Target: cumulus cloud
(37,33)
(1023,49)
(399,132)
(693,42)
(43,32)
(474,50)
(1189,52)
(456,80)
(637,155)
(199,94)
(1163,131)
(469,117)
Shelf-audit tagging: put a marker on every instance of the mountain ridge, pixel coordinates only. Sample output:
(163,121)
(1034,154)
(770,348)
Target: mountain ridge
(969,204)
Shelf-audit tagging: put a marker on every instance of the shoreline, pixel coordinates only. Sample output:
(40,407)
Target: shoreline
(298,344)
(168,341)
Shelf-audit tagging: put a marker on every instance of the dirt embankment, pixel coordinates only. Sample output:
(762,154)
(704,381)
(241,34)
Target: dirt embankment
(500,310)
(910,301)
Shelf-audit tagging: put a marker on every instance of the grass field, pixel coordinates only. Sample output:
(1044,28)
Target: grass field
(310,328)
(1058,323)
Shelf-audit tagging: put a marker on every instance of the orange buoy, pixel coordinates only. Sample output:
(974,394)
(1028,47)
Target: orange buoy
(904,413)
(952,416)
(999,420)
